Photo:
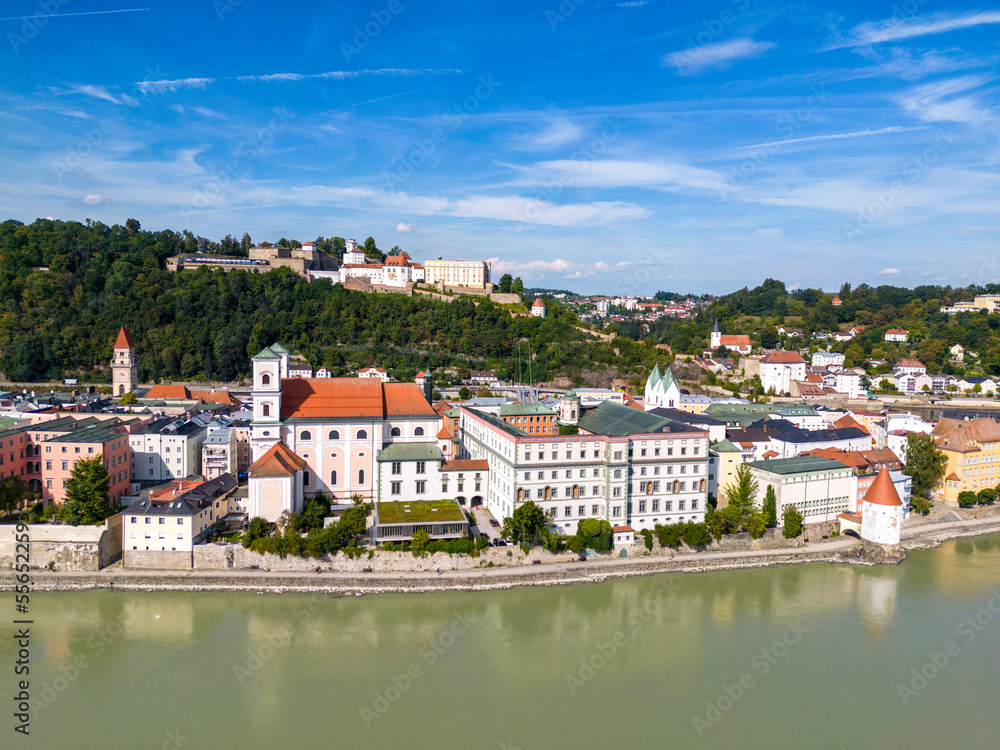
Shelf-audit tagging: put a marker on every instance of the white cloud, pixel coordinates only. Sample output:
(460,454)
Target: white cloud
(888,272)
(619,173)
(95,199)
(403,227)
(837,136)
(935,102)
(720,55)
(197,110)
(558,133)
(770,231)
(96,92)
(894,29)
(169,87)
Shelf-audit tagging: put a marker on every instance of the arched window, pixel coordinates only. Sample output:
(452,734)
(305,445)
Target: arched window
(576,490)
(265,379)
(394,432)
(701,485)
(361,476)
(305,435)
(265,410)
(362,434)
(418,431)
(333,478)
(334,434)
(520,494)
(548,493)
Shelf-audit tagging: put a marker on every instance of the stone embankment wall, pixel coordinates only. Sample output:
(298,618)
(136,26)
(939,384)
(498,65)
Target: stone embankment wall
(813,532)
(772,539)
(66,547)
(157,559)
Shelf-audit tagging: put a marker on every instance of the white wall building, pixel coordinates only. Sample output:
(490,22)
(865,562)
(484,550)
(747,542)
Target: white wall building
(819,488)
(467,273)
(827,359)
(166,449)
(778,369)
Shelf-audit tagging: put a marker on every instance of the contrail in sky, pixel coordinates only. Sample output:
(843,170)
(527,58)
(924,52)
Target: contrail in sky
(85,13)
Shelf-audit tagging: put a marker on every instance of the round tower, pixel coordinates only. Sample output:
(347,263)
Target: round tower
(881,511)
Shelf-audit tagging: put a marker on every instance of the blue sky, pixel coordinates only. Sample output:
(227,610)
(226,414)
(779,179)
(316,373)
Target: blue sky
(601,146)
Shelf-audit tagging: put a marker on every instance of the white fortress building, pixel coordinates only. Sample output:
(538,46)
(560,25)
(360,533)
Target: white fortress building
(882,511)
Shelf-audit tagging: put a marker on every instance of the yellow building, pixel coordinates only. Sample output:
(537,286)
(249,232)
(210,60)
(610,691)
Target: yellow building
(725,459)
(467,273)
(973,452)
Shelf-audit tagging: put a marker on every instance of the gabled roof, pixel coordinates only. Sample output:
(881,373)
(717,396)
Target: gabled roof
(882,491)
(351,397)
(613,419)
(848,421)
(783,358)
(409,452)
(724,446)
(279,461)
(124,341)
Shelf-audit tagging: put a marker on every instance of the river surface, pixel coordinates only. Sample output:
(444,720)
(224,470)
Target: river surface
(800,656)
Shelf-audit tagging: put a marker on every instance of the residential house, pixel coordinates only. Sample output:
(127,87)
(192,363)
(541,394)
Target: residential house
(177,518)
(897,336)
(778,369)
(972,449)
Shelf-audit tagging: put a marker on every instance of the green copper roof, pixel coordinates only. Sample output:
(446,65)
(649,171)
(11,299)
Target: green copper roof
(267,353)
(409,452)
(518,410)
(798,465)
(278,349)
(570,394)
(725,447)
(614,419)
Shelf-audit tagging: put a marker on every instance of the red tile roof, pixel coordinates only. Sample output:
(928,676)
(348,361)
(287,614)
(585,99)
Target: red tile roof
(617,529)
(351,397)
(848,421)
(538,303)
(124,341)
(468,465)
(277,462)
(783,358)
(882,491)
(183,393)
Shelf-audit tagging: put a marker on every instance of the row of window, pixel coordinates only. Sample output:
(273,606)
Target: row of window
(616,511)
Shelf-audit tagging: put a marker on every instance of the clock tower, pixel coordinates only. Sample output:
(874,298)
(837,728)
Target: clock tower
(124,369)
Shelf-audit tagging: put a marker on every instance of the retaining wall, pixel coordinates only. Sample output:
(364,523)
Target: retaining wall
(157,559)
(66,547)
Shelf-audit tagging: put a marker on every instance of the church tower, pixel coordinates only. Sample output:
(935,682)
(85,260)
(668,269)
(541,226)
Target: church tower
(265,429)
(124,368)
(716,339)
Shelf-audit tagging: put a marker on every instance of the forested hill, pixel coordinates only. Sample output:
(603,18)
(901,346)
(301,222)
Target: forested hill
(760,311)
(205,324)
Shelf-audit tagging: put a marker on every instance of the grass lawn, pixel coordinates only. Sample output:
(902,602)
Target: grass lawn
(420,511)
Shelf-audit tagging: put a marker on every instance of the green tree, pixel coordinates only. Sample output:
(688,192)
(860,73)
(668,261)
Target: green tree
(925,463)
(595,534)
(967,497)
(987,495)
(517,286)
(419,542)
(14,492)
(696,534)
(317,508)
(464,393)
(770,508)
(793,523)
(526,524)
(741,494)
(505,281)
(87,492)
(769,337)
(258,528)
(128,399)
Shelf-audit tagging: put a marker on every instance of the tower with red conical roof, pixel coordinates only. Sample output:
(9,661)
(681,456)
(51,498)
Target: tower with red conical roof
(124,368)
(881,511)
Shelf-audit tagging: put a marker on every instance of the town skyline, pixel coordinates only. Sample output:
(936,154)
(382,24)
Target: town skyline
(638,147)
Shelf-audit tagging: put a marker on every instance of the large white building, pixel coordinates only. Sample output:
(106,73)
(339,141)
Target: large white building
(778,370)
(467,273)
(166,449)
(625,466)
(326,433)
(174,520)
(820,488)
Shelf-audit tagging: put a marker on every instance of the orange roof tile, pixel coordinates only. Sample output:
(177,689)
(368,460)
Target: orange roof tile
(953,477)
(169,391)
(444,434)
(279,461)
(124,341)
(623,528)
(783,358)
(538,303)
(882,491)
(468,465)
(848,421)
(351,397)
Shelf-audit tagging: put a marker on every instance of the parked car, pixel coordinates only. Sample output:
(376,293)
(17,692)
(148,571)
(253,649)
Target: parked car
(494,523)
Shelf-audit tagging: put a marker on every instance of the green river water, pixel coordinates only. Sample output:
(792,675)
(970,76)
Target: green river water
(802,656)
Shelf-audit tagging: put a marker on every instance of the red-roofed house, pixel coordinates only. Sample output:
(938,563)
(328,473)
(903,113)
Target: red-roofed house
(778,369)
(898,336)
